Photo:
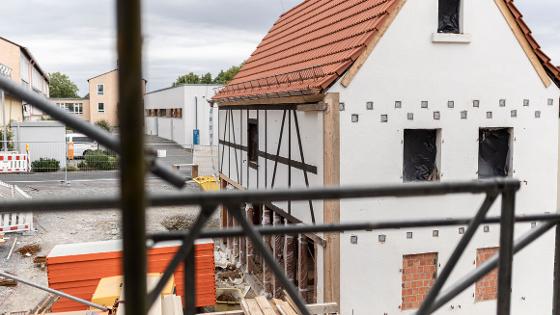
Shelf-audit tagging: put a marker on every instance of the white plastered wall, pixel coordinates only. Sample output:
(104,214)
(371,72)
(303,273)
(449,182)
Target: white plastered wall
(407,66)
(269,124)
(180,130)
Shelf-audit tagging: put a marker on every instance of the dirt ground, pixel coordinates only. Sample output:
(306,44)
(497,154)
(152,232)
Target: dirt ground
(71,227)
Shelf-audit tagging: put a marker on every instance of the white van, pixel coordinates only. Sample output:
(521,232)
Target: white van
(81,145)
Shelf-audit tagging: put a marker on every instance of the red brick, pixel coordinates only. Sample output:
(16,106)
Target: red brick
(486,288)
(419,271)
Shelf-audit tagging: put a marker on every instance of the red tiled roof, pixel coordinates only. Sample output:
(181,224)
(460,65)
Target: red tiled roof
(308,48)
(313,44)
(552,70)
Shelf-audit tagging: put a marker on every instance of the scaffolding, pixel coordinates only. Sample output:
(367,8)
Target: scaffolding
(133,200)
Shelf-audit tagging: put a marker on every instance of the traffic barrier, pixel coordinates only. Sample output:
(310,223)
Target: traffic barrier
(13,162)
(15,222)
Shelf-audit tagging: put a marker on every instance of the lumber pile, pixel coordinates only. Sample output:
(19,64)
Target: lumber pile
(261,306)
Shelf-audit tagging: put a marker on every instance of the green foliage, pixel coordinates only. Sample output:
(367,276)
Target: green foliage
(206,79)
(225,76)
(60,86)
(45,165)
(222,78)
(99,160)
(190,78)
(104,124)
(10,139)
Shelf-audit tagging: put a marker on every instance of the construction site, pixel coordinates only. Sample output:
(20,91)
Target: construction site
(368,157)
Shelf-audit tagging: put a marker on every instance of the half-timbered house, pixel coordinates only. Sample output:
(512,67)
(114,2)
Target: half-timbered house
(363,92)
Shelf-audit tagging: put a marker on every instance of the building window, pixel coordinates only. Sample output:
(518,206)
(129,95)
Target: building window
(78,108)
(421,155)
(100,89)
(486,288)
(252,142)
(419,272)
(101,107)
(494,154)
(449,16)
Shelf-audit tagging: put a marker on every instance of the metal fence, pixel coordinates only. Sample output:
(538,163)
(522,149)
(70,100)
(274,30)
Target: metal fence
(56,161)
(134,159)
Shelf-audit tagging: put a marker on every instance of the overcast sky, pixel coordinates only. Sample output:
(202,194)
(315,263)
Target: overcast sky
(77,37)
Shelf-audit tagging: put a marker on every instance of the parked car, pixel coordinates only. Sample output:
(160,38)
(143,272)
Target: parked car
(79,145)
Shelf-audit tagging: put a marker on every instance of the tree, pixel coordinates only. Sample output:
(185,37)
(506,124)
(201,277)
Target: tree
(60,86)
(206,79)
(222,78)
(190,78)
(225,76)
(104,125)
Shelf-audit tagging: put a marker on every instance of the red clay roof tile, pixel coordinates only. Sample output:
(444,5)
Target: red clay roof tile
(313,44)
(308,48)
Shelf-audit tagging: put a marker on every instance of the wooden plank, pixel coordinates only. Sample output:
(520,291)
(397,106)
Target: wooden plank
(520,36)
(297,99)
(265,306)
(323,308)
(231,182)
(331,208)
(253,307)
(238,312)
(393,11)
(316,107)
(284,308)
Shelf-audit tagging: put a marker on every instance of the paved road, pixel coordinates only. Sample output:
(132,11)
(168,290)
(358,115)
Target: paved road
(175,155)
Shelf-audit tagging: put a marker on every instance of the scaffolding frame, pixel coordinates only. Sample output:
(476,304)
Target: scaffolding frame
(134,200)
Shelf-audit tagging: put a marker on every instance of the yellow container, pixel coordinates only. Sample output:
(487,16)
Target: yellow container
(207,183)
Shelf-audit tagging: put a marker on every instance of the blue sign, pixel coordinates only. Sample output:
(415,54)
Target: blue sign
(196,136)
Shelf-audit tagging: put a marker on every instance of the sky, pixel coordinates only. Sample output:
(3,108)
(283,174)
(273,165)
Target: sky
(77,37)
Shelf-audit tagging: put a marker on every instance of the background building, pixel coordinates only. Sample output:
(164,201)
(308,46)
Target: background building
(25,70)
(103,97)
(177,113)
(77,106)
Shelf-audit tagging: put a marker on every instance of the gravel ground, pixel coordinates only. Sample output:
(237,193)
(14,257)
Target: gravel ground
(71,227)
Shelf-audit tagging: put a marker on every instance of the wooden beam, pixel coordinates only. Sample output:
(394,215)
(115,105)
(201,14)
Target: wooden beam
(231,182)
(315,107)
(302,272)
(393,11)
(291,219)
(331,208)
(520,36)
(296,99)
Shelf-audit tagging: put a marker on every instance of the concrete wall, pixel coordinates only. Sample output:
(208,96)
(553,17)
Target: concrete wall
(407,66)
(46,139)
(196,113)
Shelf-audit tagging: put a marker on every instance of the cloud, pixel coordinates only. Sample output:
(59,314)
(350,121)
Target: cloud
(78,37)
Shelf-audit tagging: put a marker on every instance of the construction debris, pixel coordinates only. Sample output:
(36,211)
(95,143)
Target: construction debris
(178,223)
(4,282)
(11,249)
(29,250)
(40,262)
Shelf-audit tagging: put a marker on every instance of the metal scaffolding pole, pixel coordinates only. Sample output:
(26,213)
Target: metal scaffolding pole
(133,167)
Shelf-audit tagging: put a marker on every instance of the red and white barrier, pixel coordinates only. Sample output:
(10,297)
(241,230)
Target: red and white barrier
(13,162)
(19,221)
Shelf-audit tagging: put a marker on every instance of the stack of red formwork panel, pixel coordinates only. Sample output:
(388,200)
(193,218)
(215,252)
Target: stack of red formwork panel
(77,268)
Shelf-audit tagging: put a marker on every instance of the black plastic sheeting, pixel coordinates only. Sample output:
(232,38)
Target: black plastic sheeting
(420,153)
(493,152)
(449,16)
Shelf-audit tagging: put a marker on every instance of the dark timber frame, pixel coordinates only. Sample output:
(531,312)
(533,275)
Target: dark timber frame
(133,201)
